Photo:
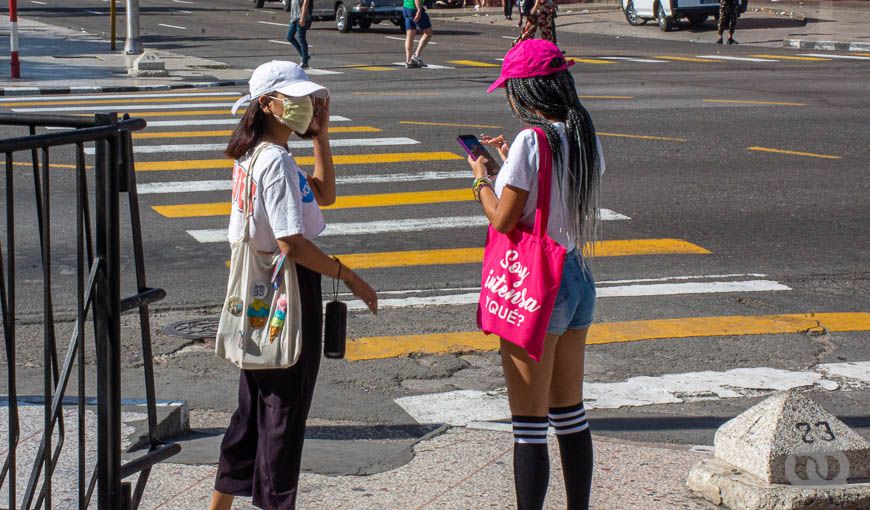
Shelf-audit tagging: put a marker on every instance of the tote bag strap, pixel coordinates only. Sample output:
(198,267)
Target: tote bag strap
(248,210)
(545,179)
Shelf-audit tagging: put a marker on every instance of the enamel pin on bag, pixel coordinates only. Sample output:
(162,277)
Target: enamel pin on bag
(522,272)
(260,324)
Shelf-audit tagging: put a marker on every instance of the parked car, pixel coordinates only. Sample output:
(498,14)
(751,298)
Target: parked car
(350,13)
(668,12)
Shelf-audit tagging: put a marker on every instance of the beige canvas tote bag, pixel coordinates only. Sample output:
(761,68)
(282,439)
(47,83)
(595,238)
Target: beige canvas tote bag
(260,326)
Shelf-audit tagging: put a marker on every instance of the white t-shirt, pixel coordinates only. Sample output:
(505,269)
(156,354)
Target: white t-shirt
(520,170)
(284,203)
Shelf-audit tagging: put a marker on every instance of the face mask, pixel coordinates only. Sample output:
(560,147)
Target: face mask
(298,112)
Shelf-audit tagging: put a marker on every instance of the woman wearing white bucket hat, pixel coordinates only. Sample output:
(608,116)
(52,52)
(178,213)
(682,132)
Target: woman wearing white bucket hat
(262,449)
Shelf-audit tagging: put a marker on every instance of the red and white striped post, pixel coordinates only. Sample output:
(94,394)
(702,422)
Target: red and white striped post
(13,38)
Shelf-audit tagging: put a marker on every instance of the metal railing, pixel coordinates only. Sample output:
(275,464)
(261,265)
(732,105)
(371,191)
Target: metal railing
(97,299)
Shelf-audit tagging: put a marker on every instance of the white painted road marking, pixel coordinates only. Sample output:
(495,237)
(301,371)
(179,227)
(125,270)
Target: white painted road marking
(296,144)
(171,26)
(460,408)
(175,106)
(219,235)
(273,23)
(823,55)
(217,122)
(38,3)
(114,96)
(739,59)
(98,13)
(428,66)
(403,39)
(470,298)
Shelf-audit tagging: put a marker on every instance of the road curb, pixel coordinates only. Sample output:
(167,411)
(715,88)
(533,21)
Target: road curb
(111,89)
(826,45)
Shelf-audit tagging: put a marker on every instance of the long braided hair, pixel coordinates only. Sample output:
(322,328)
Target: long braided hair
(555,96)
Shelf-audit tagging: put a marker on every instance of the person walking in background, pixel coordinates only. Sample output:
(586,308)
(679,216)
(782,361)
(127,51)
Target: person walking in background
(729,11)
(300,22)
(416,19)
(508,9)
(540,17)
(542,94)
(261,452)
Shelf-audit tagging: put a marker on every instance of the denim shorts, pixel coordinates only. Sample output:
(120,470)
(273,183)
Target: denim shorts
(410,24)
(575,303)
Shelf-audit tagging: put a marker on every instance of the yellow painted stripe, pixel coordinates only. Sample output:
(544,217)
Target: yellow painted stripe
(789,57)
(641,137)
(616,248)
(793,153)
(687,59)
(340,159)
(449,124)
(606,97)
(610,332)
(590,60)
(342,202)
(228,132)
(861,54)
(473,63)
(168,100)
(30,165)
(739,101)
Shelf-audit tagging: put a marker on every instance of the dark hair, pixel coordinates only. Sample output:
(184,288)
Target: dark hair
(555,96)
(248,132)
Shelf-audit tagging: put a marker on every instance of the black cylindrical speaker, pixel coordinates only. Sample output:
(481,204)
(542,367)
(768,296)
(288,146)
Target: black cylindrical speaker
(335,331)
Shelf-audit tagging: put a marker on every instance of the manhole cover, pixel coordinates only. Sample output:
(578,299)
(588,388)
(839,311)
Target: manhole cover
(194,329)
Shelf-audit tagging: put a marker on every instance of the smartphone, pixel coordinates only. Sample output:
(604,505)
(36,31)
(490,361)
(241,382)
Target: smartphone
(475,149)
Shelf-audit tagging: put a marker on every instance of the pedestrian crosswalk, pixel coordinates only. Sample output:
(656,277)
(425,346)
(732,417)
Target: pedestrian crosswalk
(403,202)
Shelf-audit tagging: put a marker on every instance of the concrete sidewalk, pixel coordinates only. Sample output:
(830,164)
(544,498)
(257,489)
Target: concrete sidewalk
(58,60)
(464,469)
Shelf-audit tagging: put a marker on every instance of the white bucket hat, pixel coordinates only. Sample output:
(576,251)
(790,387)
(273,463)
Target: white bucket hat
(284,77)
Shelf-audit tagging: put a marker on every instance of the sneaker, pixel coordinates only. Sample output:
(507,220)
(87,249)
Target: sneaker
(418,62)
(719,40)
(732,41)
(411,64)
(304,65)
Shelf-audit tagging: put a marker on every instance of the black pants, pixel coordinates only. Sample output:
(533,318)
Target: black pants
(261,452)
(508,8)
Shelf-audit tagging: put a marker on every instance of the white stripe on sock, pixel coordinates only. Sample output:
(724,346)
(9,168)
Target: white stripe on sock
(566,423)
(520,440)
(570,414)
(562,432)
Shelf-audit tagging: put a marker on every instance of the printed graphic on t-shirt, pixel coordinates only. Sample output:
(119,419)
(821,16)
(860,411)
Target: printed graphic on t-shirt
(304,188)
(239,192)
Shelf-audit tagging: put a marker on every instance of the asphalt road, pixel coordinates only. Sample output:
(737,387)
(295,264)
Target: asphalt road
(757,166)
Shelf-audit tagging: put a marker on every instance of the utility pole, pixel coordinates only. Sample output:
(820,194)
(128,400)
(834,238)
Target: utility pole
(132,46)
(13,39)
(112,25)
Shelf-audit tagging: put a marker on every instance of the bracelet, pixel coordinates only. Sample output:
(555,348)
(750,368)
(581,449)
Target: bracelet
(479,184)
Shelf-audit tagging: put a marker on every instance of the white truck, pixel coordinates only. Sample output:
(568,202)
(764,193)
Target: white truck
(668,12)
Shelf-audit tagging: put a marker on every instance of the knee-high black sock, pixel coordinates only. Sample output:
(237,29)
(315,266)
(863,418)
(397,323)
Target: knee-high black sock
(575,447)
(531,461)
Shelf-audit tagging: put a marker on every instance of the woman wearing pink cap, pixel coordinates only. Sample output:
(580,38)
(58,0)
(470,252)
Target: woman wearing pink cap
(541,93)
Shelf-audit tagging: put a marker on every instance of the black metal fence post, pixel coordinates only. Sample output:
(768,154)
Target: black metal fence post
(98,297)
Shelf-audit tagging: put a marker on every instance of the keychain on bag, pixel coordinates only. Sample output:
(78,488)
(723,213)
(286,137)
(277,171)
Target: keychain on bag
(335,332)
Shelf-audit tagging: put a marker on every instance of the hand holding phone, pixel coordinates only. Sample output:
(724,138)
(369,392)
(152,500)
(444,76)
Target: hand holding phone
(475,149)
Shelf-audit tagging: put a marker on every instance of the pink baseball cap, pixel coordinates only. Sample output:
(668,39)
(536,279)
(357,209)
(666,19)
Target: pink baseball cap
(529,58)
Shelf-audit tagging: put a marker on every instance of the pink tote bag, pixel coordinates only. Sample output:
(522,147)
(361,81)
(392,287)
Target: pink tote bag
(522,271)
